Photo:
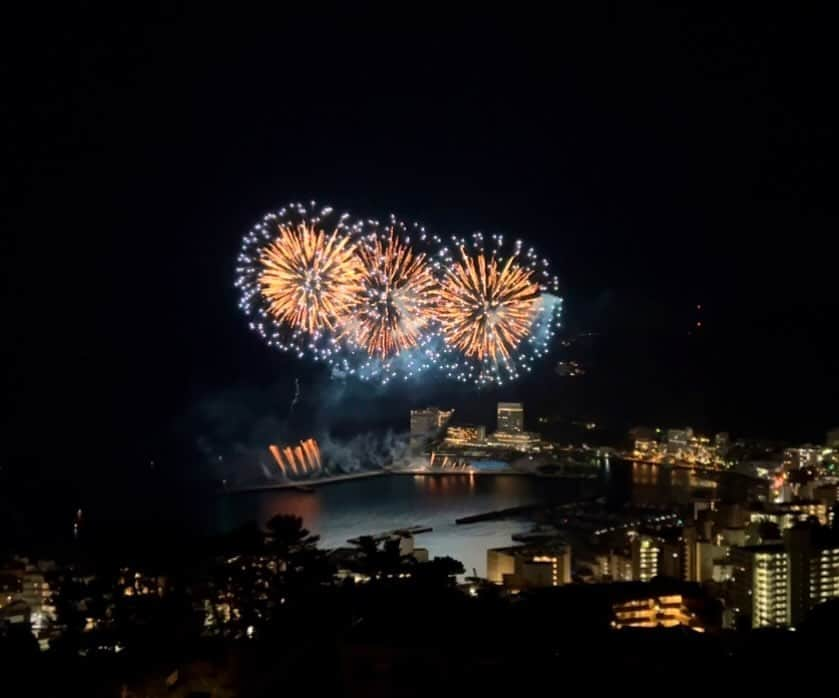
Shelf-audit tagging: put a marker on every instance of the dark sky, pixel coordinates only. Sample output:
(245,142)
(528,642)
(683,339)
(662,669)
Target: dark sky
(662,159)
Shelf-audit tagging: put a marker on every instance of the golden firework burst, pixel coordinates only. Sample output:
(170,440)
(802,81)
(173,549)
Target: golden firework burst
(486,306)
(398,293)
(309,278)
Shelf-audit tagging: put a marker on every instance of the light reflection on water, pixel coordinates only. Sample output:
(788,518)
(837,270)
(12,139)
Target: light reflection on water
(373,505)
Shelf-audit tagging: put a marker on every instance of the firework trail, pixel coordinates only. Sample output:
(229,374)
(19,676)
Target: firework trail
(296,396)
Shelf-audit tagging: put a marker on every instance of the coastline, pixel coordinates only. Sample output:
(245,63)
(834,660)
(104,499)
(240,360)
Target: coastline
(332,479)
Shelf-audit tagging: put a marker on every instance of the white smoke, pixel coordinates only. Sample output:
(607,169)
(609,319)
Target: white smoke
(368,451)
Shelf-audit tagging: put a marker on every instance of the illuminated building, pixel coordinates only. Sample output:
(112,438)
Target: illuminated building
(510,417)
(802,457)
(813,553)
(529,566)
(466,434)
(832,438)
(761,584)
(426,423)
(646,449)
(665,611)
(520,441)
(787,514)
(645,552)
(671,560)
(679,438)
(26,587)
(776,584)
(701,552)
(615,567)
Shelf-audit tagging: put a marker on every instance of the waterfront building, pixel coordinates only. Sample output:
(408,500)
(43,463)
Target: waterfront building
(466,434)
(646,449)
(510,417)
(427,423)
(679,438)
(519,441)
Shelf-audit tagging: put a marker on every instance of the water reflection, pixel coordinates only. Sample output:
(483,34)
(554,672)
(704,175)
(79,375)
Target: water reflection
(350,509)
(662,485)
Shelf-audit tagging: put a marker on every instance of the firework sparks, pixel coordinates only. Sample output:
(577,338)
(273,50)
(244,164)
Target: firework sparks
(486,306)
(498,309)
(310,279)
(381,302)
(298,272)
(302,459)
(398,293)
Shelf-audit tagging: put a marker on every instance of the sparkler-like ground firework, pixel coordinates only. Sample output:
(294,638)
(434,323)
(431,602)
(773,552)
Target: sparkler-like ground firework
(388,301)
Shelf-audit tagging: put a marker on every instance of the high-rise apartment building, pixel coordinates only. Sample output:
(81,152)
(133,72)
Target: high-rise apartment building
(645,552)
(776,584)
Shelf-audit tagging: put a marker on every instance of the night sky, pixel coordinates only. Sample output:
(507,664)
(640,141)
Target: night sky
(663,160)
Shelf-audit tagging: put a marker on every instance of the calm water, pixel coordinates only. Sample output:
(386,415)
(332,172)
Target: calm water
(344,510)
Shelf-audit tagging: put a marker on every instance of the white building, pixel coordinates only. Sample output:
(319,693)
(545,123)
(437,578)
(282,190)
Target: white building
(510,417)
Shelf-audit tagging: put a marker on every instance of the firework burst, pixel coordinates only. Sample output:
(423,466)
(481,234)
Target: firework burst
(391,332)
(399,290)
(310,279)
(495,309)
(486,306)
(381,302)
(299,275)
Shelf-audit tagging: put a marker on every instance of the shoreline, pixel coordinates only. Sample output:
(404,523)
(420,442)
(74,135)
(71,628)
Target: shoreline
(305,483)
(332,479)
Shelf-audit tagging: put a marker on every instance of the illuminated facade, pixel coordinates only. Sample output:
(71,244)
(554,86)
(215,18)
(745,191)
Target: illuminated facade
(824,575)
(510,417)
(776,584)
(526,566)
(786,514)
(682,445)
(665,611)
(615,567)
(761,584)
(645,552)
(520,441)
(426,422)
(465,434)
(803,457)
(646,449)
